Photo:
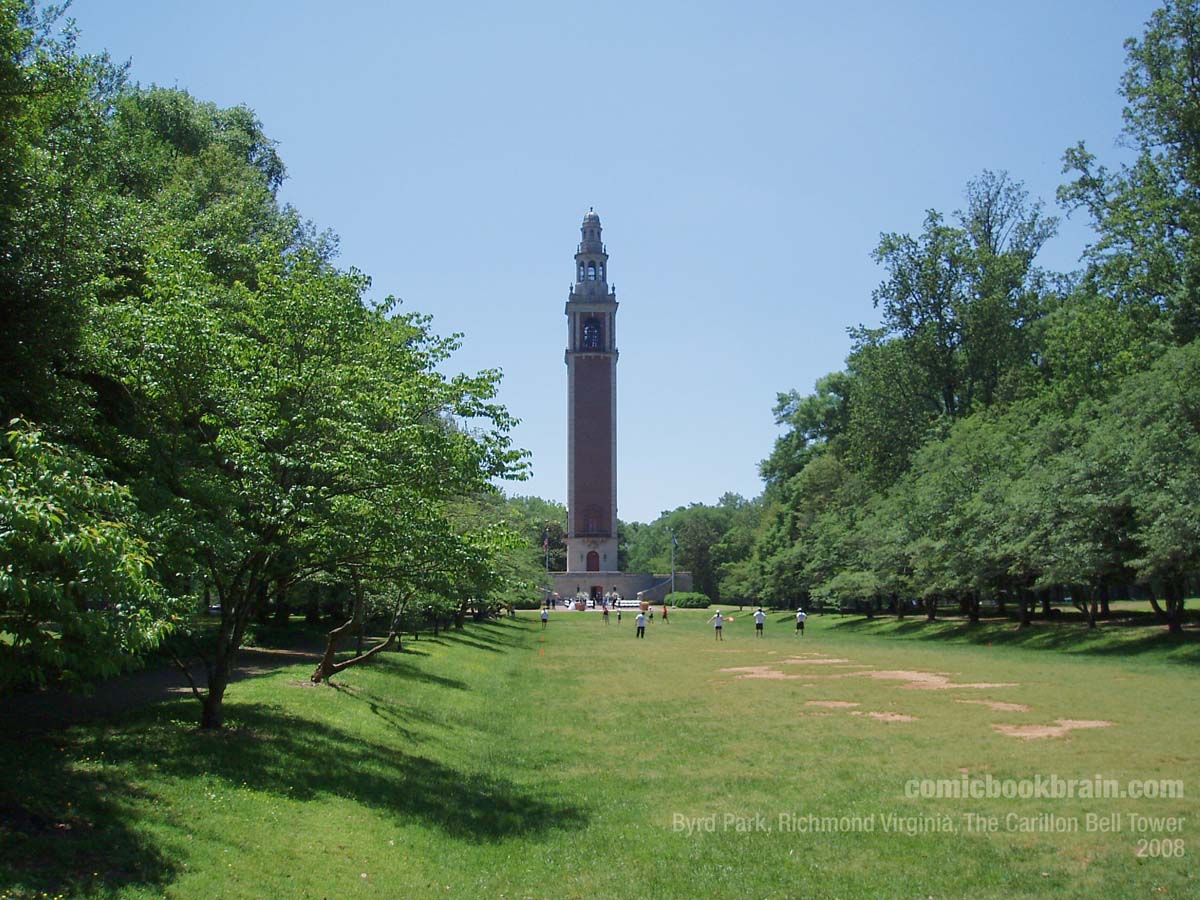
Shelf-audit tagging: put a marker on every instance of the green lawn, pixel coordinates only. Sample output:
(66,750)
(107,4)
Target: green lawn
(509,762)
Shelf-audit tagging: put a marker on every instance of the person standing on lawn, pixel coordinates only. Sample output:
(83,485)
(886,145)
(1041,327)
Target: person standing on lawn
(718,623)
(801,615)
(641,625)
(759,618)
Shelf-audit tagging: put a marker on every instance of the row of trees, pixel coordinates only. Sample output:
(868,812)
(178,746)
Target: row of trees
(204,407)
(1006,434)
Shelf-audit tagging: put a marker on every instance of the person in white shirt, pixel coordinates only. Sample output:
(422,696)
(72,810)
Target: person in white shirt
(759,618)
(717,623)
(641,625)
(801,615)
(545,618)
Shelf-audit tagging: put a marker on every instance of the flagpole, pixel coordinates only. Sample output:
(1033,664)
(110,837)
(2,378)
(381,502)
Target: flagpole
(674,544)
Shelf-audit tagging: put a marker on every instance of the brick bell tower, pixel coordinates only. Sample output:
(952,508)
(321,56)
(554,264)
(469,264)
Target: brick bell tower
(591,359)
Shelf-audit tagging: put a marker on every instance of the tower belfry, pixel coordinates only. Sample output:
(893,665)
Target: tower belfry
(591,359)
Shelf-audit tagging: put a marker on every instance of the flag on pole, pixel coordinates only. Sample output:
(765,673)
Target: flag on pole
(674,541)
(546,541)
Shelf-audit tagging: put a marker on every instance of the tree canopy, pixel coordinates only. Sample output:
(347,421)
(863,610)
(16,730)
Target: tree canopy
(218,412)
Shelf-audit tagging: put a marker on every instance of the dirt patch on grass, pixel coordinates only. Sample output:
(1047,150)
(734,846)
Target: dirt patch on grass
(829,661)
(832,704)
(1057,730)
(885,716)
(929,681)
(998,705)
(762,672)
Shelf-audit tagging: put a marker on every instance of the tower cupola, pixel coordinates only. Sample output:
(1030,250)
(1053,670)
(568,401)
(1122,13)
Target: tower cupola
(591,260)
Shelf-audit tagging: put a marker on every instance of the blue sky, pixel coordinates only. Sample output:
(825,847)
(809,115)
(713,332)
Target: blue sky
(743,156)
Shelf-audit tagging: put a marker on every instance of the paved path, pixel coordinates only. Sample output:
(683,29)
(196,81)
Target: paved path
(56,708)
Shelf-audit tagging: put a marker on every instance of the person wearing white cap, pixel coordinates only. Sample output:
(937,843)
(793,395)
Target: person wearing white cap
(717,623)
(759,618)
(801,615)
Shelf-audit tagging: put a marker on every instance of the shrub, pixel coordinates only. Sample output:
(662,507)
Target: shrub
(688,600)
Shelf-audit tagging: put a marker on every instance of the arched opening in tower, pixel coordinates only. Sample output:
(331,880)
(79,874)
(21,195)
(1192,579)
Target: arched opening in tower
(593,336)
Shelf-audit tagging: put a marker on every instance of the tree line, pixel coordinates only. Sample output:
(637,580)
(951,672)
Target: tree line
(201,409)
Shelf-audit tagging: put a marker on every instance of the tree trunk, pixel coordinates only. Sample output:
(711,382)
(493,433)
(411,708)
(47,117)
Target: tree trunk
(398,622)
(1104,597)
(899,605)
(212,712)
(1027,601)
(931,604)
(262,609)
(237,606)
(1158,610)
(282,611)
(973,608)
(1084,600)
(1174,606)
(327,668)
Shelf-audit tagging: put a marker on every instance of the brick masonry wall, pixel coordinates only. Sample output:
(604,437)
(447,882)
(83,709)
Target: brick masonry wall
(593,444)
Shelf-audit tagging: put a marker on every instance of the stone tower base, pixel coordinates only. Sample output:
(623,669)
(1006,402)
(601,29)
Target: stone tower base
(627,584)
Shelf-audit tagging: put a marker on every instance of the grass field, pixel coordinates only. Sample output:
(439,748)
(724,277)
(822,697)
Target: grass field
(504,761)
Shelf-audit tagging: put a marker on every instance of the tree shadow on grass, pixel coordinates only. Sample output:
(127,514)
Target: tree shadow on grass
(1115,638)
(395,664)
(66,831)
(304,760)
(397,716)
(77,828)
(466,640)
(494,637)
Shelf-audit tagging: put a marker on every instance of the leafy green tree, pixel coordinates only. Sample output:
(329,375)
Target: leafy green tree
(1151,437)
(53,108)
(1147,212)
(648,546)
(961,297)
(813,421)
(892,407)
(542,523)
(78,598)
